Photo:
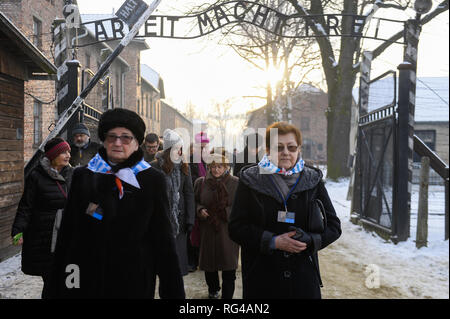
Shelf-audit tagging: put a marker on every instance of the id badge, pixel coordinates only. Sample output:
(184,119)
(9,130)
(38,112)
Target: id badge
(286,217)
(95,211)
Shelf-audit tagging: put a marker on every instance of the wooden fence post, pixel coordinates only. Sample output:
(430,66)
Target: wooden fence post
(422,213)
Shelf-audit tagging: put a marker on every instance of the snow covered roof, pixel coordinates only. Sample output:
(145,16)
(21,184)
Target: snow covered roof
(431,97)
(150,75)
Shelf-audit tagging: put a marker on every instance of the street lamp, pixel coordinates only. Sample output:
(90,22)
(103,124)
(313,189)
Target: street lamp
(422,7)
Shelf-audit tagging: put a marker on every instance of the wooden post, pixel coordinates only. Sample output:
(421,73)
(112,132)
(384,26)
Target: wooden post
(422,213)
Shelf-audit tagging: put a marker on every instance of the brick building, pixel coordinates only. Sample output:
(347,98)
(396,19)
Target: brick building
(34,18)
(122,86)
(173,119)
(20,60)
(308,114)
(152,91)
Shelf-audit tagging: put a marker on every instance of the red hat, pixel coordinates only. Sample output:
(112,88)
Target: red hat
(52,152)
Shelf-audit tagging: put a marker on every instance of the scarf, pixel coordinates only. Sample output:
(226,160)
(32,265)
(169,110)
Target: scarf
(269,168)
(125,171)
(217,211)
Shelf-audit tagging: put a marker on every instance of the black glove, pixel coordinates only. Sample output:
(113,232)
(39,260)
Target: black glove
(301,235)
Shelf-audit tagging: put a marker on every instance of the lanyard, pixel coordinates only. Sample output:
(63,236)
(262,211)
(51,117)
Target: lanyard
(290,191)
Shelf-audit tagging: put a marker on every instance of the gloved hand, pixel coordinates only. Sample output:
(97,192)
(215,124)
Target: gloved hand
(301,235)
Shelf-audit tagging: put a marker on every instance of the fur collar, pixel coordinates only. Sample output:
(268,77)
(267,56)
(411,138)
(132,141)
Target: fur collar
(53,173)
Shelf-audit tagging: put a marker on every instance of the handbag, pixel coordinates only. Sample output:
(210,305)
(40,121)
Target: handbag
(317,219)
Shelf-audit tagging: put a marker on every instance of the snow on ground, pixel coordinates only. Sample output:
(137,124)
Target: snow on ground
(417,273)
(403,269)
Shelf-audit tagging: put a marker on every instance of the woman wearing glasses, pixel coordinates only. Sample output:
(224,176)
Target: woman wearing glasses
(179,191)
(214,195)
(115,235)
(272,216)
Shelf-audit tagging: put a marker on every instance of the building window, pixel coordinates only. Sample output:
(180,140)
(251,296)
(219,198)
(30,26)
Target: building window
(37,127)
(88,61)
(37,32)
(429,138)
(304,123)
(138,71)
(158,111)
(320,147)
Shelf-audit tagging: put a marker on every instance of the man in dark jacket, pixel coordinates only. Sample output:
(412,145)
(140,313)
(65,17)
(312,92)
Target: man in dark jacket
(82,148)
(150,147)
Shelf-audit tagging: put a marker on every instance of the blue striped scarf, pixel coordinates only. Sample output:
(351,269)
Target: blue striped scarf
(98,165)
(267,167)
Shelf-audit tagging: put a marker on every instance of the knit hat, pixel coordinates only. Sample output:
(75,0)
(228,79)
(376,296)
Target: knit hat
(80,128)
(171,138)
(201,137)
(54,147)
(121,118)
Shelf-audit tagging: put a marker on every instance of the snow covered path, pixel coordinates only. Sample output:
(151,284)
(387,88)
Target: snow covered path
(349,266)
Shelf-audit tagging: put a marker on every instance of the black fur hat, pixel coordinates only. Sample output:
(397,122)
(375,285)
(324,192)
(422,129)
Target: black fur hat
(121,118)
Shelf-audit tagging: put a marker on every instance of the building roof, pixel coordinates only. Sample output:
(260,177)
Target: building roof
(95,17)
(431,97)
(150,76)
(166,104)
(22,48)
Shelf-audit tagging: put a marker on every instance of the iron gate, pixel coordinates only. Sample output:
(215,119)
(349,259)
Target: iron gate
(376,156)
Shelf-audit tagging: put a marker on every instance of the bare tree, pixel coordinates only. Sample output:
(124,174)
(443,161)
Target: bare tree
(220,116)
(340,72)
(190,111)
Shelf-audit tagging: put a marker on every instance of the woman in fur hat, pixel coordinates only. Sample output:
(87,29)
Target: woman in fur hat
(45,193)
(214,195)
(115,236)
(179,191)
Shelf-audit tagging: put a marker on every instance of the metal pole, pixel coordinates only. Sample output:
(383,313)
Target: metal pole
(405,127)
(422,213)
(402,176)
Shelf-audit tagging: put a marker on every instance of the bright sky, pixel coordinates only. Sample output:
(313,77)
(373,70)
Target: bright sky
(201,71)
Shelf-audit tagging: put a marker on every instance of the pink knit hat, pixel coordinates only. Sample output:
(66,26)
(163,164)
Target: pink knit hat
(201,137)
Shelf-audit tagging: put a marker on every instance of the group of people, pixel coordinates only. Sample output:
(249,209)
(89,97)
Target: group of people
(134,208)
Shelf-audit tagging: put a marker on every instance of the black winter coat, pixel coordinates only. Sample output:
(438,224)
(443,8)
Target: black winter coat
(253,222)
(82,156)
(36,213)
(120,255)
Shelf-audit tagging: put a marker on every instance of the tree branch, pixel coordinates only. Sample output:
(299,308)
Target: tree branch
(442,7)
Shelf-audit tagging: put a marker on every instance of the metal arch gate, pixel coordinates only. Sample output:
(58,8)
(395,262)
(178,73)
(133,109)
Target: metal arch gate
(376,161)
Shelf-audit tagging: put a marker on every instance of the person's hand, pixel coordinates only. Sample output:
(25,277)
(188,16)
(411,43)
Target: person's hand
(286,243)
(203,213)
(19,242)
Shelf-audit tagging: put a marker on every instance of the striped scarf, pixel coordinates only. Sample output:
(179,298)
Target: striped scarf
(128,174)
(267,167)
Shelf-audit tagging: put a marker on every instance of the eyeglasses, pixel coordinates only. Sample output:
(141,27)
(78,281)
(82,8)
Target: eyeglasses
(291,148)
(124,139)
